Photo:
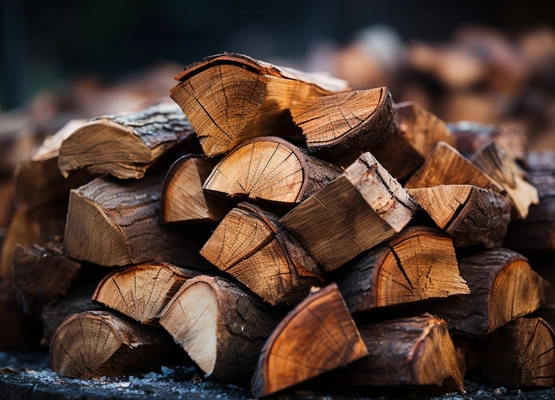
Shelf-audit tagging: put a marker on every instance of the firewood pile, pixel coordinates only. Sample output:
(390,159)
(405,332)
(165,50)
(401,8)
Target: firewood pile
(270,226)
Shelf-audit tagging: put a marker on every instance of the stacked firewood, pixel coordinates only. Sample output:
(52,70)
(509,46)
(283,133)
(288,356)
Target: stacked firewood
(272,226)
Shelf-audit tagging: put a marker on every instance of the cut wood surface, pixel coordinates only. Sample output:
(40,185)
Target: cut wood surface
(142,291)
(357,211)
(418,264)
(93,344)
(127,144)
(469,214)
(270,169)
(343,125)
(220,326)
(230,98)
(412,351)
(183,198)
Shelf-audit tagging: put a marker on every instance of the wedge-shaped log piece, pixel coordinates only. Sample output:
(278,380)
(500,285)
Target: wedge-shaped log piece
(142,291)
(220,326)
(343,125)
(417,264)
(251,245)
(446,166)
(357,211)
(183,198)
(93,344)
(272,170)
(230,98)
(127,144)
(418,132)
(415,351)
(115,223)
(469,214)
(317,336)
(495,161)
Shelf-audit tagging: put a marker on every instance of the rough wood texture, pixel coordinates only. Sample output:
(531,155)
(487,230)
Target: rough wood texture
(418,132)
(469,214)
(343,125)
(93,344)
(115,223)
(251,245)
(142,291)
(357,211)
(270,169)
(183,198)
(220,326)
(417,264)
(409,351)
(127,144)
(230,98)
(317,336)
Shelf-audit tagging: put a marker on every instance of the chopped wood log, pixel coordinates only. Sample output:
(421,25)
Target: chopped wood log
(230,98)
(343,125)
(41,274)
(446,166)
(357,211)
(93,344)
(142,291)
(417,264)
(115,223)
(251,245)
(270,169)
(127,144)
(497,163)
(413,351)
(469,214)
(220,326)
(183,198)
(317,336)
(418,132)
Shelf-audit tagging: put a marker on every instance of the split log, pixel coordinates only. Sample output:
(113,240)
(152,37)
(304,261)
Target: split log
(220,326)
(127,144)
(251,245)
(270,169)
(230,98)
(418,132)
(115,223)
(317,336)
(142,291)
(469,214)
(357,211)
(343,125)
(183,198)
(417,264)
(94,344)
(416,351)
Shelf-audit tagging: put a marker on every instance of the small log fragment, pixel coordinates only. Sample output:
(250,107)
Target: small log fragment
(220,326)
(93,344)
(343,125)
(141,291)
(417,264)
(270,169)
(317,336)
(251,245)
(469,214)
(230,98)
(357,211)
(127,144)
(183,198)
(446,166)
(415,351)
(497,163)
(418,132)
